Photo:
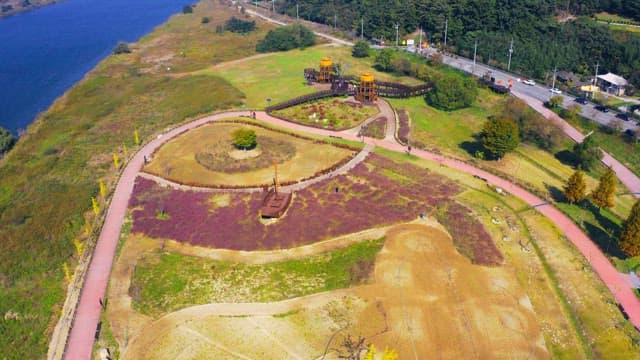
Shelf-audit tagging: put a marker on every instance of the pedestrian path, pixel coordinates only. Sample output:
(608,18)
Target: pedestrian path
(87,315)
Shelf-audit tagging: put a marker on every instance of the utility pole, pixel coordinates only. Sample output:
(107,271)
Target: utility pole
(475,51)
(595,81)
(446,27)
(510,52)
(297,17)
(420,43)
(273,6)
(335,20)
(553,83)
(361,28)
(397,27)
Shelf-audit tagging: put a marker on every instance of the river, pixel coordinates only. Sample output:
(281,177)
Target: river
(45,51)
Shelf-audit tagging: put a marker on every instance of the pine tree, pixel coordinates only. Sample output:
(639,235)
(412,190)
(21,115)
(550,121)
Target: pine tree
(630,237)
(575,189)
(602,196)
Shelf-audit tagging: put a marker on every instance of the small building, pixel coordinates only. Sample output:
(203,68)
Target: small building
(612,83)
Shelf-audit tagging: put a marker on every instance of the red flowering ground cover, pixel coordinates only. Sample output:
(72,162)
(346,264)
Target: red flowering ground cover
(377,192)
(403,126)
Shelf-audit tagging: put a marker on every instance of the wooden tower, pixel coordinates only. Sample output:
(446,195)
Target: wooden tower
(366,91)
(326,70)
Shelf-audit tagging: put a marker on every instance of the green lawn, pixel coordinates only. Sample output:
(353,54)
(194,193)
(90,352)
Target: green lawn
(165,282)
(279,76)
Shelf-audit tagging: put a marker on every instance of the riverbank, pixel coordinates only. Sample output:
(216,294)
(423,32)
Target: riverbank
(48,180)
(13,7)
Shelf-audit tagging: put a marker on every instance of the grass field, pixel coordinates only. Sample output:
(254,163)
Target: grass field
(49,178)
(166,282)
(177,160)
(331,113)
(279,76)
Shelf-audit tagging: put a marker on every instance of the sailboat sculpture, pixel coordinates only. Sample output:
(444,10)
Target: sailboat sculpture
(275,202)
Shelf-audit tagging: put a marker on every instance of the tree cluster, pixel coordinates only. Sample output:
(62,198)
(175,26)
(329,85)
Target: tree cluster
(587,153)
(187,9)
(452,91)
(360,49)
(541,41)
(287,38)
(121,48)
(534,128)
(239,26)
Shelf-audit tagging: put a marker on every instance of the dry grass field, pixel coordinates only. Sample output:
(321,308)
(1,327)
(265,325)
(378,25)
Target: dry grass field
(426,301)
(176,160)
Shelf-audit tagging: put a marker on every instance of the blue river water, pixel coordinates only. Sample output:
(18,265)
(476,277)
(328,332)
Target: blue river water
(45,51)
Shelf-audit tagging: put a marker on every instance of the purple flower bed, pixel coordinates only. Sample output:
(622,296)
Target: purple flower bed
(364,199)
(469,236)
(403,126)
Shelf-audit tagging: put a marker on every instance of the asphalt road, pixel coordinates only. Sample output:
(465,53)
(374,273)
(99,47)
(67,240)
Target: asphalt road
(539,92)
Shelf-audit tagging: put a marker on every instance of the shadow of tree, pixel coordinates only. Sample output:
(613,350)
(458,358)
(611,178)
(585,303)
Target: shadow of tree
(567,158)
(556,193)
(471,147)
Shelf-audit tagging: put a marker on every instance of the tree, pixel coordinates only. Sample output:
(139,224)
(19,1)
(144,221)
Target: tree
(121,48)
(286,38)
(602,196)
(187,9)
(576,187)
(360,49)
(630,236)
(587,153)
(556,101)
(499,136)
(205,20)
(239,26)
(7,140)
(244,138)
(452,92)
(384,59)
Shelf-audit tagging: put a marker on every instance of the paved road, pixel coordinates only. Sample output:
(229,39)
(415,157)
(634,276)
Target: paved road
(81,339)
(538,92)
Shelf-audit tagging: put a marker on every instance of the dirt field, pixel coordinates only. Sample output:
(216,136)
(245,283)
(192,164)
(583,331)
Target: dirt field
(176,160)
(427,301)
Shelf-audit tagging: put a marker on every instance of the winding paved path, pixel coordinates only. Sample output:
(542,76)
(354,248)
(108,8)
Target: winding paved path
(81,338)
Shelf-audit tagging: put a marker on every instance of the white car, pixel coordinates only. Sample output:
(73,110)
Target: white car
(555,91)
(529,82)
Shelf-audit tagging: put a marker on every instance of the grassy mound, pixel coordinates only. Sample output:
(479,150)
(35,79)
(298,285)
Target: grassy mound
(269,150)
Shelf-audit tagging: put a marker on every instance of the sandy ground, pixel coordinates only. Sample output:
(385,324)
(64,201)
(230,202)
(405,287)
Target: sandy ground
(426,301)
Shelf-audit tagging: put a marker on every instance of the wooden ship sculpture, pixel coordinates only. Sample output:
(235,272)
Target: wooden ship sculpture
(275,203)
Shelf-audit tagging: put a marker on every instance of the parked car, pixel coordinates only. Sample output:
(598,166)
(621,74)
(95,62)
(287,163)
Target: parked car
(555,91)
(582,100)
(623,116)
(602,108)
(529,82)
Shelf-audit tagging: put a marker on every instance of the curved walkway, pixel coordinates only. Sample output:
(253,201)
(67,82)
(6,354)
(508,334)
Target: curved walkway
(81,338)
(358,158)
(628,178)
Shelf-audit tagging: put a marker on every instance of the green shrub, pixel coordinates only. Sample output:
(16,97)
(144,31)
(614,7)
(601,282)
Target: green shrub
(121,48)
(244,138)
(239,26)
(360,49)
(452,92)
(7,140)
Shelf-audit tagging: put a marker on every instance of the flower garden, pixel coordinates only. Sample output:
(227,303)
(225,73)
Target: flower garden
(375,193)
(376,128)
(329,113)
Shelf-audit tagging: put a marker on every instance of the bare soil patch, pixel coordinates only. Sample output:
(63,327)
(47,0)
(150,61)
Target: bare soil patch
(427,301)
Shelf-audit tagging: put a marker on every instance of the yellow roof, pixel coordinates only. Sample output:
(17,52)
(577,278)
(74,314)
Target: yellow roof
(325,62)
(366,77)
